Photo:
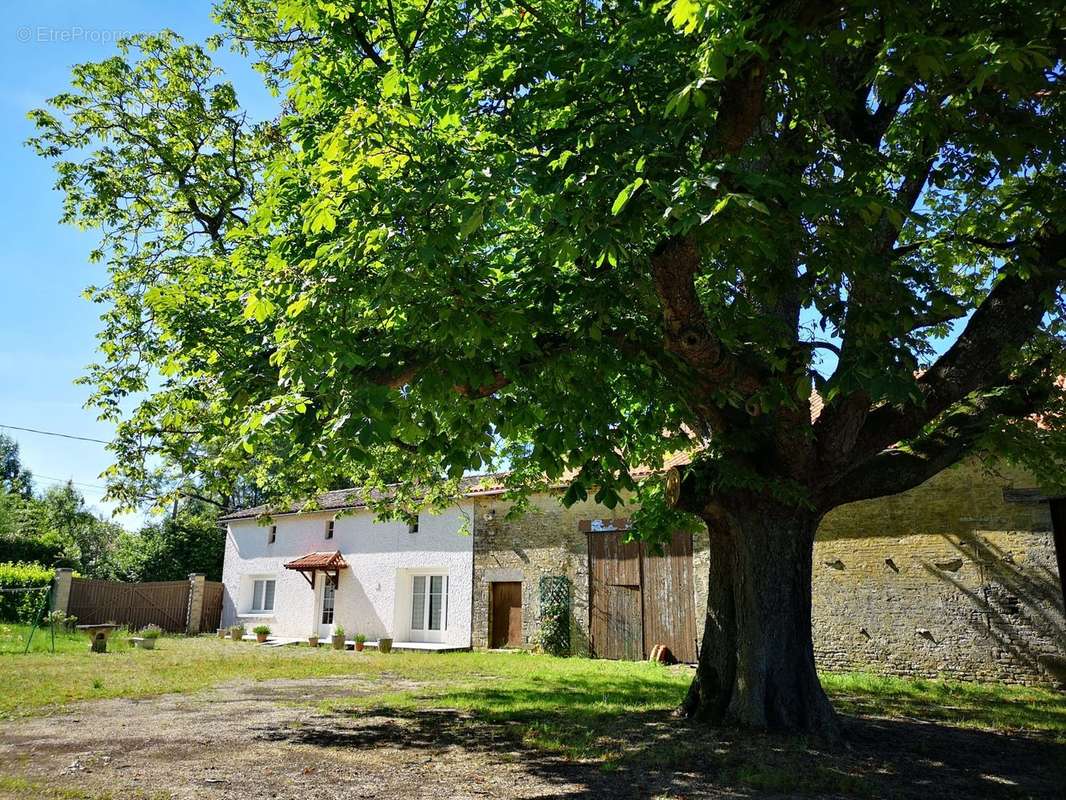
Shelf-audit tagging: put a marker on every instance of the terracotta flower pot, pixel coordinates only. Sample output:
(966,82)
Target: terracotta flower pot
(359,646)
(312,641)
(261,637)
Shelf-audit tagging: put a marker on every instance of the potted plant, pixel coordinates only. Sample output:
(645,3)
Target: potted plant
(261,633)
(236,632)
(222,633)
(385,645)
(338,637)
(360,641)
(312,639)
(147,636)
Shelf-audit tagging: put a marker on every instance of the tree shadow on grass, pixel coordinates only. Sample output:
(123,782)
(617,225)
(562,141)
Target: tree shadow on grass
(579,739)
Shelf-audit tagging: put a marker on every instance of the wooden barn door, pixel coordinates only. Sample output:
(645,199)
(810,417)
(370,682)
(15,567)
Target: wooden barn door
(614,597)
(669,598)
(638,599)
(506,614)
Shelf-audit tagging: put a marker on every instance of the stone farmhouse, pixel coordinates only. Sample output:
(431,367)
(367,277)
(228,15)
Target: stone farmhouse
(957,578)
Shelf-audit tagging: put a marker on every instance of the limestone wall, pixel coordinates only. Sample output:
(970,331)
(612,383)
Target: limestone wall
(546,541)
(947,580)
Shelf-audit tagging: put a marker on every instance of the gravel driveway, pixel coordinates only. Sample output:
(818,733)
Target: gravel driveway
(271,739)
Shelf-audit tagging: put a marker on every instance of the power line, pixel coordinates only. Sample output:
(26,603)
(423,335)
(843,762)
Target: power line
(54,433)
(37,475)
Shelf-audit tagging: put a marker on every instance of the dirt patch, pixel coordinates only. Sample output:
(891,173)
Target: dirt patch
(270,739)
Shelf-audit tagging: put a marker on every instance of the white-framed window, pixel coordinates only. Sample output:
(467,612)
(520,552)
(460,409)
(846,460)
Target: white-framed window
(329,529)
(273,535)
(429,603)
(412,524)
(263,595)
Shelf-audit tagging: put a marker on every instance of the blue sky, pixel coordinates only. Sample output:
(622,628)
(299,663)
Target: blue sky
(47,330)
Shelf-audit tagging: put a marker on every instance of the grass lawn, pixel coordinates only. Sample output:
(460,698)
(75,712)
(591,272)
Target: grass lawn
(610,716)
(561,700)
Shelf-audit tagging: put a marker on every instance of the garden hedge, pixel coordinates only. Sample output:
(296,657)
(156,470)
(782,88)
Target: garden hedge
(21,606)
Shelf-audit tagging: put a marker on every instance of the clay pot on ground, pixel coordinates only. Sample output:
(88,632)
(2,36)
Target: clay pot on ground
(384,645)
(312,641)
(338,642)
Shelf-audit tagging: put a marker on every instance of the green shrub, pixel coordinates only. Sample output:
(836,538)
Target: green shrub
(554,633)
(261,630)
(338,630)
(22,606)
(360,638)
(151,632)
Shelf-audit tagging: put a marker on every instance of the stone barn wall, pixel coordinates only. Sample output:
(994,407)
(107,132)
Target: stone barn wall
(947,579)
(545,541)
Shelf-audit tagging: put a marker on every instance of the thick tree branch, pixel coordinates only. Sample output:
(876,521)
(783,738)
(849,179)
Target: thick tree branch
(898,469)
(740,105)
(980,357)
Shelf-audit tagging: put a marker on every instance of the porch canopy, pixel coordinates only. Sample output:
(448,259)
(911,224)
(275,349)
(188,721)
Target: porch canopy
(329,564)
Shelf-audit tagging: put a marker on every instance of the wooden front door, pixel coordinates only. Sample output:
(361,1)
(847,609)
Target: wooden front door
(639,599)
(506,614)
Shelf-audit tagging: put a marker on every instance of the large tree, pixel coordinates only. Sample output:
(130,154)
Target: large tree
(573,237)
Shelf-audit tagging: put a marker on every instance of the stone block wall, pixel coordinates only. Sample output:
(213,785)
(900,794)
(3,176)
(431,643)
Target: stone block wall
(945,580)
(542,542)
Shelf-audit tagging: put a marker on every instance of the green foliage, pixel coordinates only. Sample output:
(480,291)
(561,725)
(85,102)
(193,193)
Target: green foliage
(171,548)
(359,638)
(555,617)
(441,258)
(14,477)
(261,630)
(23,606)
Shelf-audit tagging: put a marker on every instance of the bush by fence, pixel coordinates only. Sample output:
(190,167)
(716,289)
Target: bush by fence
(21,606)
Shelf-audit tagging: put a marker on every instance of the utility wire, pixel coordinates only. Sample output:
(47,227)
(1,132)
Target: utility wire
(54,433)
(37,475)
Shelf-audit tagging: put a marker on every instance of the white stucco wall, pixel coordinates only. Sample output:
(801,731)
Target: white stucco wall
(373,596)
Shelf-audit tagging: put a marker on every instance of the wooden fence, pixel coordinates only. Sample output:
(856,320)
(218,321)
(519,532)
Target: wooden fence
(211,615)
(163,603)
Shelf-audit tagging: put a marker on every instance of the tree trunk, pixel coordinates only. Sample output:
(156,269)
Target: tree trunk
(756,666)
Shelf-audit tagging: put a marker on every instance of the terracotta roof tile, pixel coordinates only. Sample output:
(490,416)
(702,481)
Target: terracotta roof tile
(328,560)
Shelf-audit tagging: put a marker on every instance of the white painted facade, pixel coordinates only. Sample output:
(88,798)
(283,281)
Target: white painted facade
(376,593)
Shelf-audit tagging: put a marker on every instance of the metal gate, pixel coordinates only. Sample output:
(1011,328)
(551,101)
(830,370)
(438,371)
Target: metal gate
(639,599)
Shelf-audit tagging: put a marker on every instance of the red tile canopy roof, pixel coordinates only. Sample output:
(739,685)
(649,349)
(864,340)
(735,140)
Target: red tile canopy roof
(312,561)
